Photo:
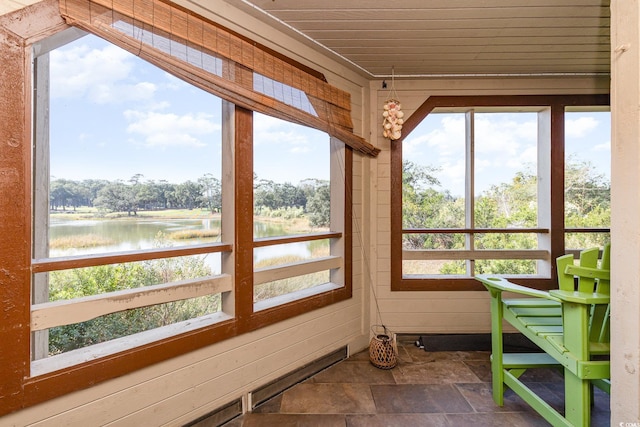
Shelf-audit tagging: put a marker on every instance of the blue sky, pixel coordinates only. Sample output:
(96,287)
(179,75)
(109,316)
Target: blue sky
(505,145)
(114,116)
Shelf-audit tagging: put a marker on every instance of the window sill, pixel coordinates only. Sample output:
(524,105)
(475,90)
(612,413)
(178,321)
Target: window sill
(81,355)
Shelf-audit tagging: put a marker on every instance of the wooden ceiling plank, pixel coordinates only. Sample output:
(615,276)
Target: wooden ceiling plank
(281,5)
(298,17)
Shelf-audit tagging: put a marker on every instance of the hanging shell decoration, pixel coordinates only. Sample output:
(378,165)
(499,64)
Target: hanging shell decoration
(392,123)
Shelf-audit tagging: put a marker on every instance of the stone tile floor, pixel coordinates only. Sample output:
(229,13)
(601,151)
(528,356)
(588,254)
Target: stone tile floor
(444,388)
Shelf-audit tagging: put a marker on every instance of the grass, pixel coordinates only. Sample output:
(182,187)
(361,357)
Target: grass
(82,241)
(83,212)
(179,213)
(86,212)
(291,284)
(292,225)
(194,234)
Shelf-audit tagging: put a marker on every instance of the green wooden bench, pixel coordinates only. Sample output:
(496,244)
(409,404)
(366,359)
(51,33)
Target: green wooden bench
(570,325)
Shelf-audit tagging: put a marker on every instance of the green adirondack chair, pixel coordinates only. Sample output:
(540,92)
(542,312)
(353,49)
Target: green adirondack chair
(570,325)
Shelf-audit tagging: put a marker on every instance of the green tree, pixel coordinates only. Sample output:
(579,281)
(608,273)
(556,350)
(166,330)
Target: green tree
(211,197)
(91,188)
(424,206)
(117,197)
(319,207)
(188,195)
(587,204)
(60,193)
(585,190)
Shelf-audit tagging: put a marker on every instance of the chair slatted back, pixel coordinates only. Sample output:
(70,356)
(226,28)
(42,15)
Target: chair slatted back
(590,277)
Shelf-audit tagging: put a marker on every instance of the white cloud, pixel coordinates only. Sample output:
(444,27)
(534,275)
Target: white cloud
(451,176)
(503,134)
(578,128)
(101,75)
(288,136)
(606,147)
(528,156)
(412,146)
(447,139)
(168,129)
(504,144)
(159,105)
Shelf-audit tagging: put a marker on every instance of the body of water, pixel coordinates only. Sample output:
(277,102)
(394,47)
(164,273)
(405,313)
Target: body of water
(140,233)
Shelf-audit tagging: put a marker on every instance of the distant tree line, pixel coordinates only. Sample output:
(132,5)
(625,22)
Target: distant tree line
(311,196)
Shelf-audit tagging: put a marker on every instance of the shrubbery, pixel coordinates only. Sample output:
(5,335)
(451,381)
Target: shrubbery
(81,282)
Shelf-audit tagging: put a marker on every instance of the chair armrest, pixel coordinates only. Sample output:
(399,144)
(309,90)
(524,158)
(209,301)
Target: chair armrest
(585,298)
(501,284)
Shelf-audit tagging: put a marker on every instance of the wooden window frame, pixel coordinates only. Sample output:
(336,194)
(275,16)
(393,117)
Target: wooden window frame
(19,389)
(556,105)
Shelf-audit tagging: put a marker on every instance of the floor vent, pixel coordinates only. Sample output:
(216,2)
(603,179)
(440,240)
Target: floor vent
(219,416)
(276,387)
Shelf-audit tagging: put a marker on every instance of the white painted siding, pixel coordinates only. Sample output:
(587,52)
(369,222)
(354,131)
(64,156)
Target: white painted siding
(625,221)
(182,389)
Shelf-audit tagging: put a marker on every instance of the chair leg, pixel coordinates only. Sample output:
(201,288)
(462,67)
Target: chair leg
(577,398)
(497,378)
(497,372)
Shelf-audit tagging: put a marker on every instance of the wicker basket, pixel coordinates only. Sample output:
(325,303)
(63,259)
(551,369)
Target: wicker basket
(383,352)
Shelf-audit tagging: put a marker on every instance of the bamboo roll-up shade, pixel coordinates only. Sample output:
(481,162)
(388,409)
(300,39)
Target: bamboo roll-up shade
(219,61)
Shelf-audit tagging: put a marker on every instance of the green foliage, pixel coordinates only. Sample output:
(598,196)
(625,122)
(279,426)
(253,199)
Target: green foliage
(211,197)
(585,192)
(284,213)
(507,205)
(453,268)
(319,207)
(117,197)
(505,266)
(274,196)
(76,283)
(587,205)
(423,206)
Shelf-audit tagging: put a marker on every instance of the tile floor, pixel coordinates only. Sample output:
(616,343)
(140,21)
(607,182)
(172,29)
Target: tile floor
(447,388)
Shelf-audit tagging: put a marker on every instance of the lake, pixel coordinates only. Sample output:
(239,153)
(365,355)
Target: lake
(142,233)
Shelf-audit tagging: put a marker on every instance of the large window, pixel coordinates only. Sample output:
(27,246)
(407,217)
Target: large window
(132,213)
(480,194)
(292,211)
(127,204)
(468,177)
